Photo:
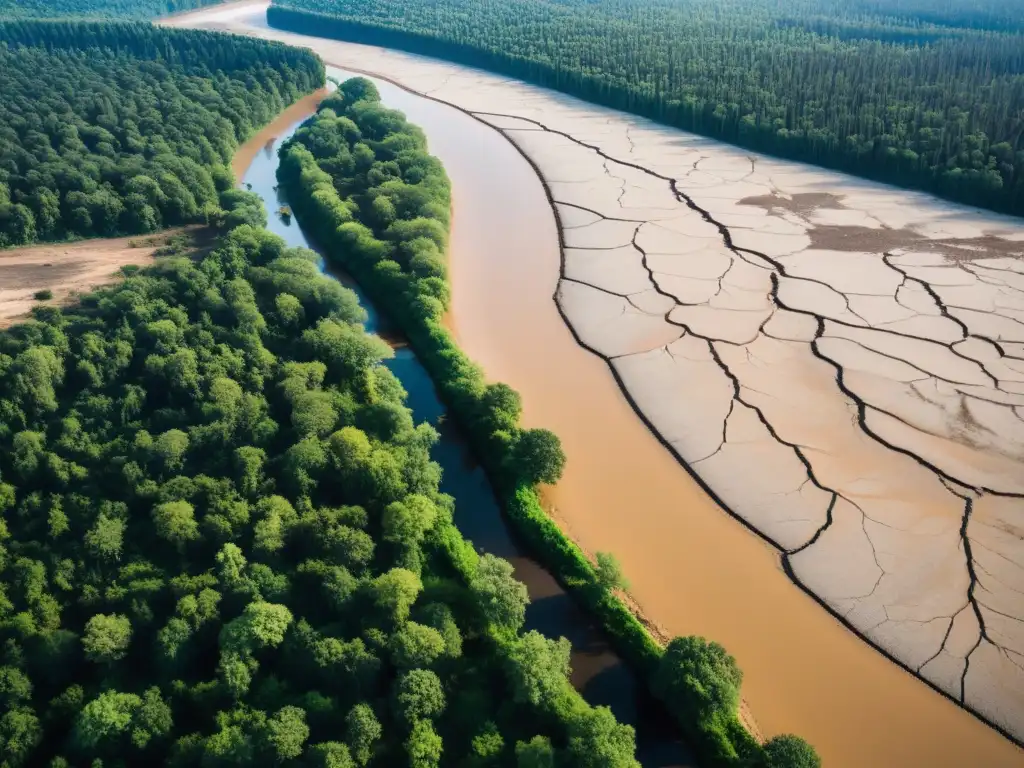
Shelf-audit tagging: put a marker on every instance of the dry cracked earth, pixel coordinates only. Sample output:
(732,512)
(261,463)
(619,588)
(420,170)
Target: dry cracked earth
(839,362)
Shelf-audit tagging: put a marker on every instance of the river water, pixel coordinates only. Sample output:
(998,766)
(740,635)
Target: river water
(597,672)
(693,569)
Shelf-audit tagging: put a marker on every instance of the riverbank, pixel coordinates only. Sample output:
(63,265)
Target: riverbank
(693,569)
(600,676)
(262,140)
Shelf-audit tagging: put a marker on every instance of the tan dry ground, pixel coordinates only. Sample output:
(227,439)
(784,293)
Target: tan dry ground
(66,269)
(727,327)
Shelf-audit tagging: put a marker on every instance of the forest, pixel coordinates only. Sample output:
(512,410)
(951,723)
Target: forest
(923,94)
(222,543)
(135,9)
(359,177)
(110,128)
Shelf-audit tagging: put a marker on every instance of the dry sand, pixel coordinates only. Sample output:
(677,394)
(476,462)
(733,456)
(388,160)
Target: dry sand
(67,270)
(840,362)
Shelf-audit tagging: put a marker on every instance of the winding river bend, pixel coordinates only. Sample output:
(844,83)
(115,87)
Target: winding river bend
(730,366)
(599,674)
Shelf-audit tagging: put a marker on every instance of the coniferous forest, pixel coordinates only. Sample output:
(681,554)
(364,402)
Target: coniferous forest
(922,93)
(136,9)
(111,128)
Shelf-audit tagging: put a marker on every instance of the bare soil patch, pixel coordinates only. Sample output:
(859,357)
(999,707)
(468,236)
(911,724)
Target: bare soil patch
(68,269)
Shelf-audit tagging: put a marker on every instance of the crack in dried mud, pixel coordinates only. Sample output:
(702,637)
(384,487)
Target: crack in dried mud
(778,272)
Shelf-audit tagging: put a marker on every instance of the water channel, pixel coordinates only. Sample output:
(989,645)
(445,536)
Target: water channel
(599,674)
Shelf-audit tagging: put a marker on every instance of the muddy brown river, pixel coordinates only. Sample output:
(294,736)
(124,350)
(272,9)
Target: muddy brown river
(723,293)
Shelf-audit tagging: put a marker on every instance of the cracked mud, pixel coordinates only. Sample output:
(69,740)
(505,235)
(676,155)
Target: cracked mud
(842,368)
(841,363)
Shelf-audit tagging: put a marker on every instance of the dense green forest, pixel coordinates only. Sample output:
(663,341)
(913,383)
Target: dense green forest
(915,92)
(111,128)
(222,543)
(358,175)
(136,9)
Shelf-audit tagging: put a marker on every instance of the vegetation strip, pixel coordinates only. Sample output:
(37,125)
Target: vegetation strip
(366,226)
(133,9)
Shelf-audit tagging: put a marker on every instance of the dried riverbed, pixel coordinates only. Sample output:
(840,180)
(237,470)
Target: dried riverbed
(841,364)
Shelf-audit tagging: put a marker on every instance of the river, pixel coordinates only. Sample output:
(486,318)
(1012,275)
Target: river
(693,568)
(599,674)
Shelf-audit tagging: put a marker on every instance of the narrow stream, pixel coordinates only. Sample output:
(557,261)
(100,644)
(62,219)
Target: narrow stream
(597,672)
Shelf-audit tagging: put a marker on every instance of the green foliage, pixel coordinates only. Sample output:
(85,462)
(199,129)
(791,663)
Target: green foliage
(609,572)
(787,751)
(418,695)
(44,295)
(127,8)
(535,753)
(362,732)
(106,638)
(251,584)
(287,733)
(597,740)
(502,598)
(698,679)
(538,668)
(415,645)
(538,457)
(908,91)
(122,128)
(424,746)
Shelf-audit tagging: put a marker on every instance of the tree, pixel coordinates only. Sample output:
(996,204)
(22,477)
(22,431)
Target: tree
(106,638)
(106,537)
(249,463)
(358,89)
(362,732)
(424,746)
(538,669)
(501,598)
(15,687)
(415,645)
(535,753)
(787,751)
(287,733)
(106,717)
(537,456)
(486,747)
(609,572)
(20,732)
(175,521)
(331,754)
(394,593)
(231,566)
(261,625)
(170,449)
(440,617)
(418,695)
(152,718)
(407,521)
(596,740)
(698,679)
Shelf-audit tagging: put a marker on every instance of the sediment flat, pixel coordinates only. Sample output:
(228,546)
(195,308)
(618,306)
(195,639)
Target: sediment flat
(839,364)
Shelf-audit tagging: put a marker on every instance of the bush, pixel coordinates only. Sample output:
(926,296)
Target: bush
(789,751)
(44,295)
